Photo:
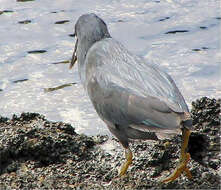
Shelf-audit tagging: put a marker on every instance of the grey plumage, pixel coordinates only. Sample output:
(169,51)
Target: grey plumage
(132,97)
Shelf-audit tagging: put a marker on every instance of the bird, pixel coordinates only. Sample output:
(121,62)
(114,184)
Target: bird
(134,98)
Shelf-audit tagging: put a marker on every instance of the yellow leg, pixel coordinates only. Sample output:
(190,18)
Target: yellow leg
(184,159)
(124,167)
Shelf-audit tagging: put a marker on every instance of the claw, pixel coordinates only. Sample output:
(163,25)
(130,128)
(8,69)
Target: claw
(182,167)
(184,159)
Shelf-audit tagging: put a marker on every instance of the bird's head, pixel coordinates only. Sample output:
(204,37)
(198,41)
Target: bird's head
(89,29)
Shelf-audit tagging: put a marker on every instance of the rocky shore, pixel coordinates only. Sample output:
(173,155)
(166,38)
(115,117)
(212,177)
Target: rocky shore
(39,154)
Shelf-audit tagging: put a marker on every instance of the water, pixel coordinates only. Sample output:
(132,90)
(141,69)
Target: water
(183,36)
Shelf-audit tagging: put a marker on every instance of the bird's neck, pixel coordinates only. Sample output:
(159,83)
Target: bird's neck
(84,46)
(82,49)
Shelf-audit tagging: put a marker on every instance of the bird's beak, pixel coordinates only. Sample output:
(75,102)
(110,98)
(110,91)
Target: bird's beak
(74,56)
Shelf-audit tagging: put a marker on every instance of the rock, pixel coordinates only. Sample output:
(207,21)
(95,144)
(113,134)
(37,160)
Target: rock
(39,154)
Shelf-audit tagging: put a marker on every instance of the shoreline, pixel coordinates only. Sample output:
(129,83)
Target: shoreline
(39,154)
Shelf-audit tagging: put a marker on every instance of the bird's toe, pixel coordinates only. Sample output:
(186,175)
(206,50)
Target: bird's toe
(182,167)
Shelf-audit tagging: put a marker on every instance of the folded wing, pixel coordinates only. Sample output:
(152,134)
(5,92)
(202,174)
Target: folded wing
(126,90)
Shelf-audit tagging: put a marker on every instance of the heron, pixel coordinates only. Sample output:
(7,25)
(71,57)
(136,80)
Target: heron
(136,99)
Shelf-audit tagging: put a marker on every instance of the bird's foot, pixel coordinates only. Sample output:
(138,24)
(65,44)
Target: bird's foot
(182,167)
(124,167)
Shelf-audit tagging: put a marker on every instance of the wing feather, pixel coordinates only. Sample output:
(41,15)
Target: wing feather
(126,90)
(116,65)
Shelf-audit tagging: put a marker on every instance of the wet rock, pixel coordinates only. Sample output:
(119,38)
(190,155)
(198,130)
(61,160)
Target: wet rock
(196,49)
(203,27)
(39,154)
(163,19)
(6,11)
(36,51)
(3,120)
(62,22)
(120,20)
(176,31)
(24,22)
(71,35)
(200,49)
(20,80)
